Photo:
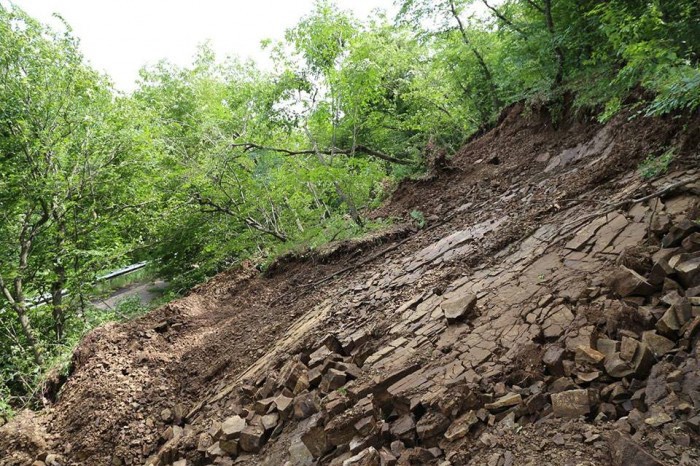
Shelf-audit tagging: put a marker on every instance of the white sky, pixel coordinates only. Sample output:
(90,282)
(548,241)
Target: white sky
(120,36)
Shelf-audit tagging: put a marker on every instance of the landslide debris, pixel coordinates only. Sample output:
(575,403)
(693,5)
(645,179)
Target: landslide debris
(549,313)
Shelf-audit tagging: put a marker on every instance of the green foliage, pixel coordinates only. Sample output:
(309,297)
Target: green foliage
(678,90)
(653,166)
(131,307)
(73,157)
(418,217)
(643,44)
(6,411)
(612,108)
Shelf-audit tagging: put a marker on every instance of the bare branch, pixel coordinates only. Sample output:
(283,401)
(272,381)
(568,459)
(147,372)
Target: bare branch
(247,146)
(249,221)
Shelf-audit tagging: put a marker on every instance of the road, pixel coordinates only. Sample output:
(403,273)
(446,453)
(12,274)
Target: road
(146,292)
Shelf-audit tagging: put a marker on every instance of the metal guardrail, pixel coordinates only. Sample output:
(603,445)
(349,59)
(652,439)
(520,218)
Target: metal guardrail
(124,271)
(46,297)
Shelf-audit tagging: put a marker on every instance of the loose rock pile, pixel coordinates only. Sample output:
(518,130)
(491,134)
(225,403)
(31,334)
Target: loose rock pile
(458,372)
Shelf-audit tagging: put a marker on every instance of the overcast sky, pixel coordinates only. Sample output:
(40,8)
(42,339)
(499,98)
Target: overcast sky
(120,36)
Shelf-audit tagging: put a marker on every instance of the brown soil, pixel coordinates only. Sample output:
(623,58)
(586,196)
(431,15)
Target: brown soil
(183,364)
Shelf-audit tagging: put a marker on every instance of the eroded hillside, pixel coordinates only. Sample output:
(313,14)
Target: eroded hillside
(548,312)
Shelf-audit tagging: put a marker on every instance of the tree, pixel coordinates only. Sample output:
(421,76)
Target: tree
(70,159)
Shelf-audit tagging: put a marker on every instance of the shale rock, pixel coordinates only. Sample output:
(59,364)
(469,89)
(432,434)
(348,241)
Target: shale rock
(458,308)
(571,403)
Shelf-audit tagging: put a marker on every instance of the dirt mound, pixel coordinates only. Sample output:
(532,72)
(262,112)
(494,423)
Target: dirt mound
(523,322)
(526,146)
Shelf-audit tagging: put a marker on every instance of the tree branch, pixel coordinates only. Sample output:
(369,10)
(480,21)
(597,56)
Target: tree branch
(535,6)
(249,221)
(247,146)
(502,17)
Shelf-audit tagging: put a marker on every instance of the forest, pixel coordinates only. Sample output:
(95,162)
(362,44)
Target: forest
(205,166)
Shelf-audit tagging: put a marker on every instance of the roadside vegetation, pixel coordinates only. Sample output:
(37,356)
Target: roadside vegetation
(207,165)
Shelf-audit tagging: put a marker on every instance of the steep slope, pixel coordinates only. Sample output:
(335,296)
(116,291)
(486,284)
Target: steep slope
(512,329)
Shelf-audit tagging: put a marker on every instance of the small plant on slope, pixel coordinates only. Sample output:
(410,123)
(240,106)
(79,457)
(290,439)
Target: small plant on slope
(418,217)
(655,166)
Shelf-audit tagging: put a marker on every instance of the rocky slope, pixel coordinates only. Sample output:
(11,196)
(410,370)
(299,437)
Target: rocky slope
(548,311)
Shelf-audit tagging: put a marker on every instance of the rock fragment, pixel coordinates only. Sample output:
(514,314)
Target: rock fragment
(626,452)
(585,354)
(658,419)
(368,457)
(315,438)
(230,447)
(458,308)
(608,347)
(553,358)
(658,344)
(678,232)
(460,427)
(506,401)
(404,429)
(232,427)
(689,272)
(675,317)
(215,450)
(571,403)
(252,438)
(305,405)
(340,431)
(432,425)
(626,282)
(204,442)
(332,380)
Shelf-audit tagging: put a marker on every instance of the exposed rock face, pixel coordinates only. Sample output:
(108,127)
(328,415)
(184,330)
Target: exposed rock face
(472,344)
(388,407)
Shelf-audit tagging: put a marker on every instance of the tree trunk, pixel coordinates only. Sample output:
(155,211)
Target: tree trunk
(59,282)
(319,203)
(558,51)
(352,208)
(15,297)
(479,58)
(18,304)
(29,334)
(58,311)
